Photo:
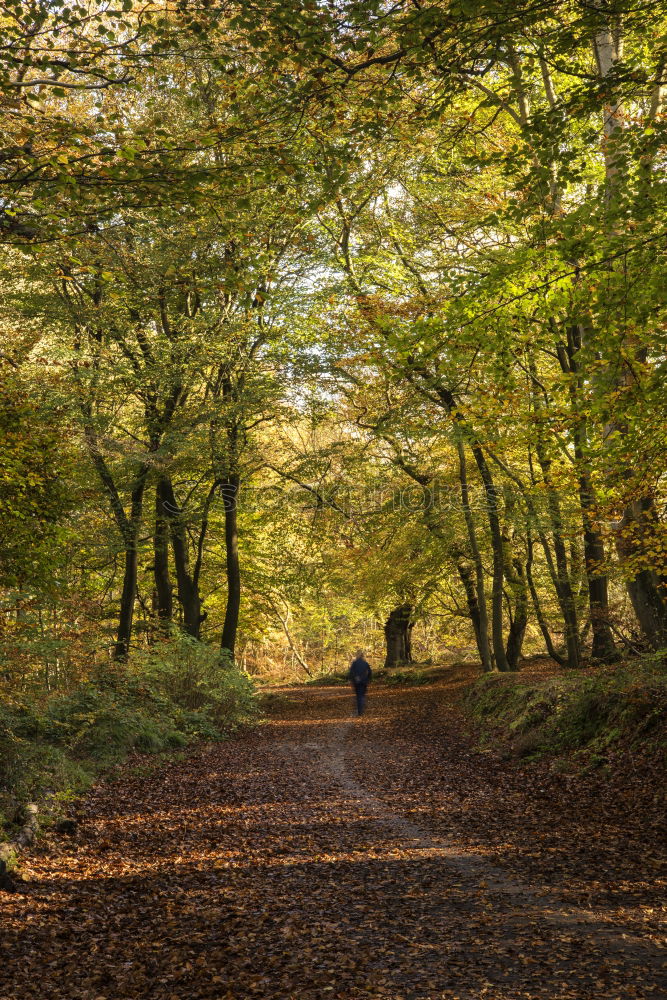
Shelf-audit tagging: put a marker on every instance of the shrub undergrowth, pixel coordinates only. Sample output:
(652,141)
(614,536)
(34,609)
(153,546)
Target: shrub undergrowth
(179,690)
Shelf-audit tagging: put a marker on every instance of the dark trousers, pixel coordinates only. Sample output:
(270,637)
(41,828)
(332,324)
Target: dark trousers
(360,688)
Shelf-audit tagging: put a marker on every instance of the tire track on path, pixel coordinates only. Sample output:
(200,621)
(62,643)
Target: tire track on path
(521,901)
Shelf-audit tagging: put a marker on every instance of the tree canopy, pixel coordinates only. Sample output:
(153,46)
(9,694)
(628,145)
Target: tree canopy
(334,323)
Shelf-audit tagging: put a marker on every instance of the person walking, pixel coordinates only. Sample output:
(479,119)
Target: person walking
(360,675)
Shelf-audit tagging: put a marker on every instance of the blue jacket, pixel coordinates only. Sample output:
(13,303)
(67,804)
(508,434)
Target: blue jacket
(360,671)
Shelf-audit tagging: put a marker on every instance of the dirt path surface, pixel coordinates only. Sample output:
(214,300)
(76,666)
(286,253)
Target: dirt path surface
(322,856)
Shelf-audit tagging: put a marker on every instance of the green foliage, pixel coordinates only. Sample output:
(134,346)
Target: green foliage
(396,677)
(329,679)
(32,494)
(31,764)
(170,696)
(103,723)
(199,679)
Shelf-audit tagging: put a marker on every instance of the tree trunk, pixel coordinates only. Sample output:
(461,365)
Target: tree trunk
(230,491)
(130,537)
(126,613)
(163,597)
(516,580)
(562,578)
(541,621)
(603,647)
(563,582)
(492,499)
(476,597)
(128,528)
(481,632)
(567,605)
(397,634)
(284,621)
(493,515)
(647,591)
(186,583)
(608,51)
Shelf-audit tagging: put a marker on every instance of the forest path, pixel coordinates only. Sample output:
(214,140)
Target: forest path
(323,856)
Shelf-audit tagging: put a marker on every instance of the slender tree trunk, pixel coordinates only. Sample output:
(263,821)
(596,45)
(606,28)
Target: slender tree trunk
(562,579)
(608,51)
(230,491)
(567,601)
(573,644)
(163,597)
(492,500)
(128,595)
(397,633)
(128,528)
(481,633)
(493,514)
(130,537)
(476,600)
(284,621)
(539,615)
(186,583)
(603,647)
(563,584)
(646,589)
(648,593)
(516,580)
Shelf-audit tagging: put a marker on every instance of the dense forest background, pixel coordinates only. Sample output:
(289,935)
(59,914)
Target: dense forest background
(330,324)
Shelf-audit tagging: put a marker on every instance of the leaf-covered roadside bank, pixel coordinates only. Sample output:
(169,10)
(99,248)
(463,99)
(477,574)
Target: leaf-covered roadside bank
(52,748)
(585,715)
(319,856)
